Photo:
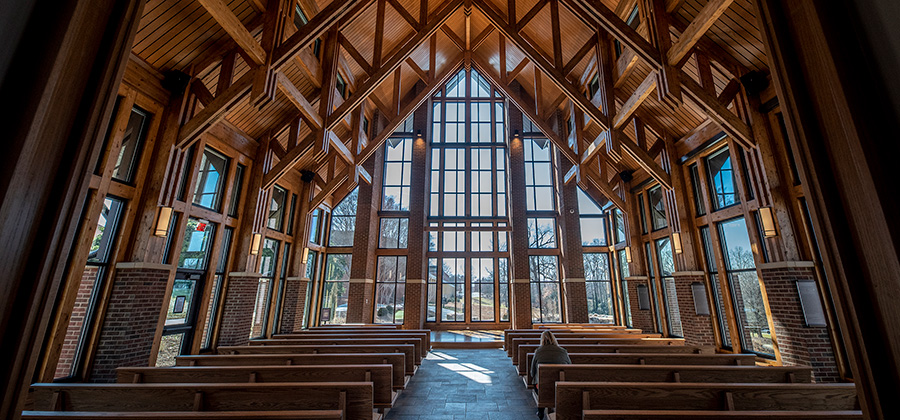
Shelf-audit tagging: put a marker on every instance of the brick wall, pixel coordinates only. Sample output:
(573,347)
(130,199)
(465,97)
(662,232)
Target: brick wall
(520,272)
(521,297)
(698,329)
(237,310)
(76,322)
(360,301)
(292,305)
(573,261)
(130,322)
(640,318)
(413,309)
(798,344)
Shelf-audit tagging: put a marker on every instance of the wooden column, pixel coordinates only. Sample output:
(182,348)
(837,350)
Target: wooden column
(841,115)
(54,121)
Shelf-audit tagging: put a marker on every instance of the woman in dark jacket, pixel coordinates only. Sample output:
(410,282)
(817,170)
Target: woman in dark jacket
(549,352)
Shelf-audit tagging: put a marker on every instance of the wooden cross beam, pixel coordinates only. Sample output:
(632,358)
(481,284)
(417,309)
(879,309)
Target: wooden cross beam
(393,61)
(235,28)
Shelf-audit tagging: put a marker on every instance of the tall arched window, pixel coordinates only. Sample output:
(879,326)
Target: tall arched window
(468,216)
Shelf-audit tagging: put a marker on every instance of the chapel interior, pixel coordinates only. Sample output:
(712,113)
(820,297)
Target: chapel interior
(374,209)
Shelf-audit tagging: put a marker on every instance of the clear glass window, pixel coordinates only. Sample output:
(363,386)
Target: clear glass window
(210,179)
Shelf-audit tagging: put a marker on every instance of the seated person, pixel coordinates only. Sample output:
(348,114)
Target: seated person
(550,353)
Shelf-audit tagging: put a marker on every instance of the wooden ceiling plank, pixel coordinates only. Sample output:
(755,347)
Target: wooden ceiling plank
(731,123)
(530,15)
(235,28)
(585,49)
(408,109)
(355,55)
(216,110)
(397,58)
(640,95)
(520,102)
(309,113)
(698,27)
(404,13)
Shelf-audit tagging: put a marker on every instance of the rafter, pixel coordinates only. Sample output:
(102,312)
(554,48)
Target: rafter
(235,28)
(216,110)
(306,109)
(698,27)
(388,66)
(641,94)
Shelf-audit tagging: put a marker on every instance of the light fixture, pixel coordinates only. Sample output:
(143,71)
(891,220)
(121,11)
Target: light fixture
(768,222)
(254,244)
(676,242)
(516,134)
(419,134)
(305,258)
(163,220)
(628,254)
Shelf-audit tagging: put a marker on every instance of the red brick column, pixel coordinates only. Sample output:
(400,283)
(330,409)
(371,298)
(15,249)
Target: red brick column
(237,311)
(131,320)
(361,293)
(521,302)
(414,307)
(797,343)
(640,318)
(698,329)
(295,289)
(414,304)
(573,260)
(76,321)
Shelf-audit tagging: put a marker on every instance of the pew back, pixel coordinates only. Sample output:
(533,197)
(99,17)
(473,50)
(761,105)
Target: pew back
(378,375)
(417,343)
(407,350)
(655,359)
(574,397)
(396,360)
(563,342)
(184,415)
(549,374)
(355,398)
(716,415)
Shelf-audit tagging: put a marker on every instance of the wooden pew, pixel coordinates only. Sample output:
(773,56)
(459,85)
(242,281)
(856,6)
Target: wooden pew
(536,335)
(357,326)
(716,415)
(353,398)
(184,415)
(506,333)
(576,324)
(416,342)
(520,350)
(396,360)
(408,350)
(524,351)
(378,375)
(654,359)
(515,342)
(549,375)
(424,334)
(574,397)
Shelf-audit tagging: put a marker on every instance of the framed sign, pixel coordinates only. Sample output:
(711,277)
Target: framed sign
(643,297)
(179,304)
(813,313)
(326,314)
(701,305)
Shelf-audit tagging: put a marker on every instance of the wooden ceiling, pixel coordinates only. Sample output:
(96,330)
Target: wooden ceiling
(190,36)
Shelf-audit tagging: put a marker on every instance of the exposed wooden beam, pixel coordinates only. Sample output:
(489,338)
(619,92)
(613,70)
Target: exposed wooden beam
(731,123)
(518,69)
(585,49)
(646,162)
(354,54)
(333,184)
(483,36)
(595,12)
(487,71)
(698,27)
(306,109)
(408,109)
(641,94)
(342,12)
(388,66)
(459,42)
(404,14)
(216,109)
(667,84)
(422,74)
(290,159)
(235,28)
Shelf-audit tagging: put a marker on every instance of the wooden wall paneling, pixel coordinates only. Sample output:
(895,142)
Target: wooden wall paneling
(48,204)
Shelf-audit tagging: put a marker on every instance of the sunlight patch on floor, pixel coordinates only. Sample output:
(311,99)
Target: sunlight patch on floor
(469,370)
(436,355)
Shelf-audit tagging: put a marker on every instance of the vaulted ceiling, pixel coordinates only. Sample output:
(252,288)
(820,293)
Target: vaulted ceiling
(667,79)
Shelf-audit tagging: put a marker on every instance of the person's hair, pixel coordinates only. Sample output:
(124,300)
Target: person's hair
(548,339)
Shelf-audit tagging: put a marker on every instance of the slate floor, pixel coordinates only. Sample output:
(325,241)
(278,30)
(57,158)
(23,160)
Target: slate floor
(465,384)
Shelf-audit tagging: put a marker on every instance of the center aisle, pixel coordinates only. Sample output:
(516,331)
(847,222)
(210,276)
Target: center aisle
(465,384)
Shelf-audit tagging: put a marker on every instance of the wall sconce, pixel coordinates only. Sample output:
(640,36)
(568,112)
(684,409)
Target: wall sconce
(676,242)
(419,134)
(515,134)
(305,258)
(163,220)
(768,222)
(628,254)
(254,244)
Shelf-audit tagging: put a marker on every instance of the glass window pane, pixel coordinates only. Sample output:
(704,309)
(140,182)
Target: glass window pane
(593,231)
(198,235)
(169,348)
(336,288)
(721,179)
(210,178)
(132,142)
(236,190)
(276,209)
(657,208)
(389,289)
(261,307)
(104,234)
(180,302)
(343,221)
(268,257)
(545,300)
(598,286)
(746,292)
